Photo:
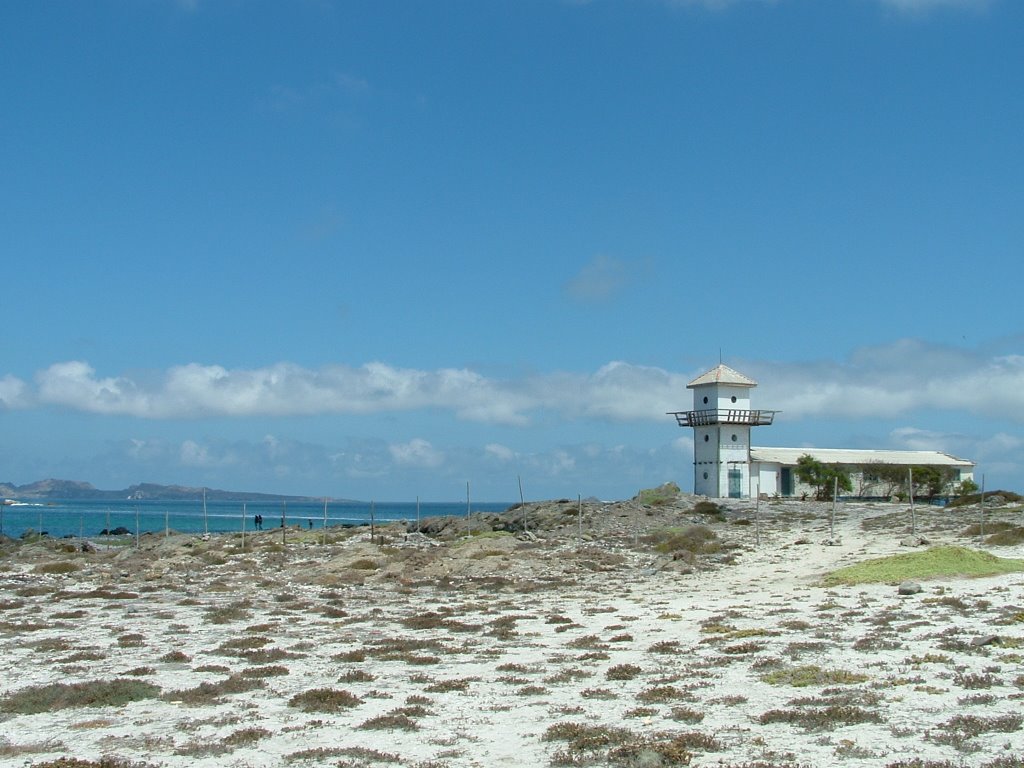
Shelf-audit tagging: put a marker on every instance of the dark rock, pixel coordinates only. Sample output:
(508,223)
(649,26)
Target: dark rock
(981,640)
(909,588)
(913,541)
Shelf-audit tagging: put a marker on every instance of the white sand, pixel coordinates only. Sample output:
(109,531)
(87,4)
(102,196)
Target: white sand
(915,651)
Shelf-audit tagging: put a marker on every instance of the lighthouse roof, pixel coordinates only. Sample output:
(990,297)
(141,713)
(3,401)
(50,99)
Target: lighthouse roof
(722,374)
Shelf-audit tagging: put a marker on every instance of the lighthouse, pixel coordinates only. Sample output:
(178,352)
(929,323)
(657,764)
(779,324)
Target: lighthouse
(721,420)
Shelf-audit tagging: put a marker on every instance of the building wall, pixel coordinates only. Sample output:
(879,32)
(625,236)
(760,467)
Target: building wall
(767,476)
(705,461)
(770,476)
(720,396)
(717,450)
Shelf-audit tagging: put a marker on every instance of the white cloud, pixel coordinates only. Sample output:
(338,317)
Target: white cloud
(684,445)
(623,392)
(331,93)
(74,384)
(599,280)
(886,381)
(617,391)
(194,454)
(416,453)
(13,393)
(914,439)
(499,452)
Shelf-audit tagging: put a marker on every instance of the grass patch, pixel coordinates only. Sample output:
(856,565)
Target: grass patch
(176,657)
(935,562)
(586,744)
(97,693)
(661,694)
(1007,538)
(623,672)
(960,728)
(825,718)
(226,614)
(269,670)
(103,762)
(801,677)
(390,721)
(61,566)
(697,539)
(210,693)
(656,497)
(324,700)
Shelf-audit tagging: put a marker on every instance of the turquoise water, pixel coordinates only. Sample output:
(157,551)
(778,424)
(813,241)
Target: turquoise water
(88,518)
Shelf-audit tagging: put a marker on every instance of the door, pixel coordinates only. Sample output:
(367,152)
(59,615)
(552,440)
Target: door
(735,479)
(787,481)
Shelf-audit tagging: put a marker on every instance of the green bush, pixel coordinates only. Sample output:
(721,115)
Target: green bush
(656,497)
(698,539)
(707,508)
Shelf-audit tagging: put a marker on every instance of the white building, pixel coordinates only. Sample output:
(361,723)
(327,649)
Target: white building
(725,464)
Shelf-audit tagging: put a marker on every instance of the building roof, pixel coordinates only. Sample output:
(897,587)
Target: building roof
(722,374)
(855,456)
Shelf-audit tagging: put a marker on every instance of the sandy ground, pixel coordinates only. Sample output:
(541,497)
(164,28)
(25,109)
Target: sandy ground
(499,650)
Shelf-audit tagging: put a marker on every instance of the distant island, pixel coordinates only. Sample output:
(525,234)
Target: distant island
(72,489)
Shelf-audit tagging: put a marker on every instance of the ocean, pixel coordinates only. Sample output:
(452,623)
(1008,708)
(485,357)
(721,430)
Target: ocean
(88,518)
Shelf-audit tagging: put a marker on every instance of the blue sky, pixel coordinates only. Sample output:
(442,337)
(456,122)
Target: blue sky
(379,249)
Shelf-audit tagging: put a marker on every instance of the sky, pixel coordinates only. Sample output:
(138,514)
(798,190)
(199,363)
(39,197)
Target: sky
(382,249)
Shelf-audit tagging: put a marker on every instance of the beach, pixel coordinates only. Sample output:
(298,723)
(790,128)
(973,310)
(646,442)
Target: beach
(628,633)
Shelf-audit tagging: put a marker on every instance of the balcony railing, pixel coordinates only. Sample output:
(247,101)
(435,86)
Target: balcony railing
(723,416)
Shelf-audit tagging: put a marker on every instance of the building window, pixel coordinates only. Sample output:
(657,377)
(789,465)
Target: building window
(734,438)
(734,398)
(706,438)
(705,401)
(705,475)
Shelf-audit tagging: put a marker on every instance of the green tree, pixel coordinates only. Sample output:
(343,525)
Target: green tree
(889,478)
(966,488)
(822,477)
(931,481)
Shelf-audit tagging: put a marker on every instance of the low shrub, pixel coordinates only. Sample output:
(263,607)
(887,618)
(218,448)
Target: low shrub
(61,566)
(623,672)
(324,700)
(824,718)
(803,676)
(96,693)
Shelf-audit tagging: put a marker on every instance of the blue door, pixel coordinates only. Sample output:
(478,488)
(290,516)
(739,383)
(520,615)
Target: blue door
(735,478)
(787,481)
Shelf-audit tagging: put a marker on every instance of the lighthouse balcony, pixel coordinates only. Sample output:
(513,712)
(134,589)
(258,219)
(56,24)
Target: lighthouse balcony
(723,416)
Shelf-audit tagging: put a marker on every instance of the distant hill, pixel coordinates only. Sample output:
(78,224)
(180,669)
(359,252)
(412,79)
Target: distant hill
(73,489)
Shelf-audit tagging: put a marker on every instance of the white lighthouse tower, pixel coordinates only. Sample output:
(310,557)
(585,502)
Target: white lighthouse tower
(721,419)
